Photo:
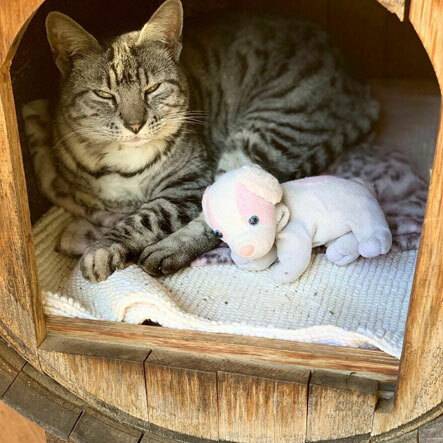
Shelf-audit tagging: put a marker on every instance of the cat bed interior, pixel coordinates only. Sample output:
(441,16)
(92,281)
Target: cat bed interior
(362,305)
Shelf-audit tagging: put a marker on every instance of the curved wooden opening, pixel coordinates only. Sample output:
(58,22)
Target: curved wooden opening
(394,62)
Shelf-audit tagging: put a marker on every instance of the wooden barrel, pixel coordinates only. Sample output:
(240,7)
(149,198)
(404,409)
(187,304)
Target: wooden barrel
(166,386)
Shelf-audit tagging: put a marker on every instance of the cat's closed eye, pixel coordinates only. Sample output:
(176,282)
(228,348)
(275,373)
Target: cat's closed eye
(151,88)
(103,94)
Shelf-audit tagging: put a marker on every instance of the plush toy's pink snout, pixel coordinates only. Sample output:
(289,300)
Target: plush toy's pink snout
(247,250)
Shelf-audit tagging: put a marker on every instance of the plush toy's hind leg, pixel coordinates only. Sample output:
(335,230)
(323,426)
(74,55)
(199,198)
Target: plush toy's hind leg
(78,236)
(378,243)
(343,250)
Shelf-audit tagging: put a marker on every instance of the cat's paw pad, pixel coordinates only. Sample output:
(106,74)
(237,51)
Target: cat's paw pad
(101,259)
(378,244)
(164,257)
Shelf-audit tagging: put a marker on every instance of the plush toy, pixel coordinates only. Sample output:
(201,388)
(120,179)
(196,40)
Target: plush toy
(262,220)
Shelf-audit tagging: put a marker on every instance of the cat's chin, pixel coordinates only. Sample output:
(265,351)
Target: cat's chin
(136,141)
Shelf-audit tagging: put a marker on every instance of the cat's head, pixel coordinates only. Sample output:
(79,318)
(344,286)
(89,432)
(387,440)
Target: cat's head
(130,90)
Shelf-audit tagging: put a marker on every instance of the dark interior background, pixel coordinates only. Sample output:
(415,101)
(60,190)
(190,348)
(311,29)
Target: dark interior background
(375,42)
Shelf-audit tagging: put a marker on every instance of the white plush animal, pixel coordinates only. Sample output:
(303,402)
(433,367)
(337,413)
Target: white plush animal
(262,220)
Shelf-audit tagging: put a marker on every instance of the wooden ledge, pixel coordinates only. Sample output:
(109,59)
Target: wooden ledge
(133,342)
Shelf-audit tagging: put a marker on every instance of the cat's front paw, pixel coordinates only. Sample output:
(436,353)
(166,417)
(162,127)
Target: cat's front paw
(165,257)
(101,259)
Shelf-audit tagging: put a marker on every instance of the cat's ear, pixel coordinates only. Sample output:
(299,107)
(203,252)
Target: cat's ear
(165,25)
(68,39)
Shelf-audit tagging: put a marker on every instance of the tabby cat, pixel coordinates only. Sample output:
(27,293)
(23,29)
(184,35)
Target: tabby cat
(142,127)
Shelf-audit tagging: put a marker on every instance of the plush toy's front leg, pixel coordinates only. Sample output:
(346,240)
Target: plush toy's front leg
(294,249)
(258,264)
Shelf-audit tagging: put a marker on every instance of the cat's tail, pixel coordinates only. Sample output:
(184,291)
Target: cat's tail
(361,114)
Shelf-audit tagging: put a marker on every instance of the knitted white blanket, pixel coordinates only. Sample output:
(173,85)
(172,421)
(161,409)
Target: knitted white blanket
(360,305)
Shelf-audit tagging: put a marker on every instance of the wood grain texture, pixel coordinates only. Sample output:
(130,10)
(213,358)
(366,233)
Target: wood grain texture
(397,7)
(18,429)
(91,428)
(336,413)
(420,387)
(367,363)
(22,322)
(117,383)
(46,403)
(431,432)
(13,15)
(182,400)
(255,409)
(410,437)
(10,366)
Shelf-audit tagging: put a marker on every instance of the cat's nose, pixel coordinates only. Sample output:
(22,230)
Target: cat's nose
(134,126)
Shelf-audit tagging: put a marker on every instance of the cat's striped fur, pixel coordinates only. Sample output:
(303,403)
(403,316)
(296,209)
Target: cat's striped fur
(135,155)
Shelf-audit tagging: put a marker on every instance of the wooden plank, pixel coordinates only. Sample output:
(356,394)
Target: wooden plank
(13,16)
(202,362)
(397,7)
(91,428)
(411,437)
(50,438)
(22,322)
(10,366)
(337,412)
(44,402)
(118,384)
(366,363)
(419,394)
(17,429)
(182,400)
(431,432)
(253,409)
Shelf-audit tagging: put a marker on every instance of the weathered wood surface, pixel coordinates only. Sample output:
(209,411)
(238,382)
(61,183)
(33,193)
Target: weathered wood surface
(71,418)
(21,320)
(116,383)
(124,337)
(18,429)
(420,387)
(57,413)
(397,7)
(254,409)
(340,408)
(94,428)
(13,15)
(181,399)
(431,432)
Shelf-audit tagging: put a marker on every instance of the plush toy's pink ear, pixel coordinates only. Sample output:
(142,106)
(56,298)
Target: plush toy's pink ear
(261,183)
(249,203)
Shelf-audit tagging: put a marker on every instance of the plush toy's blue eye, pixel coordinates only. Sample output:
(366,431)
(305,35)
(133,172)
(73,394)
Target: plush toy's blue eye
(253,220)
(218,234)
